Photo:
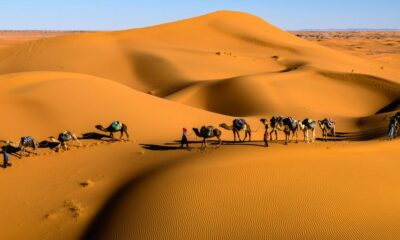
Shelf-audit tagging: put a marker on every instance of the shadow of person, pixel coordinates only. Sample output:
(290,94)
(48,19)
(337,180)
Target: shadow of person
(154,147)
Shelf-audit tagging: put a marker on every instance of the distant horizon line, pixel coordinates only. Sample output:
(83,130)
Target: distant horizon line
(288,30)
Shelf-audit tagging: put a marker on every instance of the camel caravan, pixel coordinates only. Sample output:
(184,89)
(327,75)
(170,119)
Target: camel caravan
(65,141)
(288,125)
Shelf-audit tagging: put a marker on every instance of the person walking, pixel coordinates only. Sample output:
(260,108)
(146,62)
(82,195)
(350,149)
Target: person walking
(184,140)
(6,158)
(392,128)
(266,134)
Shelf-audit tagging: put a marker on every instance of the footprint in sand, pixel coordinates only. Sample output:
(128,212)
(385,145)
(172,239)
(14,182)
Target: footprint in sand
(87,183)
(74,208)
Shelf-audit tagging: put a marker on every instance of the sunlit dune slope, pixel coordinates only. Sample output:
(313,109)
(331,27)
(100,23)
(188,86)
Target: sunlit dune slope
(41,103)
(214,51)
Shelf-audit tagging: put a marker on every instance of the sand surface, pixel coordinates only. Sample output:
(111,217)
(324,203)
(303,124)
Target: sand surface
(200,71)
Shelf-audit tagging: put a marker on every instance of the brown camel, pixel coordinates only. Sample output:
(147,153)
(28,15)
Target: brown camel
(237,126)
(64,138)
(308,125)
(26,142)
(208,132)
(290,126)
(115,127)
(327,127)
(276,124)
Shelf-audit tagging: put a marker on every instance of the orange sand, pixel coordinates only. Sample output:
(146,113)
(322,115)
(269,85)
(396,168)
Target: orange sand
(200,71)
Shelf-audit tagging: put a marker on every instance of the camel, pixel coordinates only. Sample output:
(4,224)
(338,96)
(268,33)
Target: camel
(394,127)
(327,126)
(290,126)
(397,125)
(64,138)
(208,132)
(115,127)
(237,126)
(276,123)
(308,125)
(26,142)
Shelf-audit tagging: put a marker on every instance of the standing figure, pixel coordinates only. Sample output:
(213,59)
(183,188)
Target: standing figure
(392,128)
(184,140)
(5,158)
(266,134)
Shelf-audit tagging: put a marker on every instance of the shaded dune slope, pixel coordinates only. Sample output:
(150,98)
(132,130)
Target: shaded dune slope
(258,198)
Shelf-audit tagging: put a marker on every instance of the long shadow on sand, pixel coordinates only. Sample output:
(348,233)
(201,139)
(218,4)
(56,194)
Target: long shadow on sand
(367,135)
(47,144)
(96,136)
(176,145)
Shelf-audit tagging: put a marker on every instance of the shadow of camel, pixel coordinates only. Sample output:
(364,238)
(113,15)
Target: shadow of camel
(48,144)
(176,145)
(95,136)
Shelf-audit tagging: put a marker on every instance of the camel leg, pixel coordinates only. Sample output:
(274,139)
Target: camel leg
(234,136)
(22,152)
(287,137)
(270,134)
(79,142)
(238,134)
(112,136)
(249,132)
(219,140)
(313,135)
(127,135)
(306,136)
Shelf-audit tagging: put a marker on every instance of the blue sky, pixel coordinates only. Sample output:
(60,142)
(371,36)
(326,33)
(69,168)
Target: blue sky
(124,14)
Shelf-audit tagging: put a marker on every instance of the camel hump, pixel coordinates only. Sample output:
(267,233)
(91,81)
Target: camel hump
(239,124)
(26,140)
(66,136)
(117,125)
(207,131)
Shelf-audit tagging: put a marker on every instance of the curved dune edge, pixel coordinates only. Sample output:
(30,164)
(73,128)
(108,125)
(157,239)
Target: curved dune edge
(254,194)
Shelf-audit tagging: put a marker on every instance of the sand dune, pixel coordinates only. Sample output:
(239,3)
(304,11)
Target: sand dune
(200,71)
(247,194)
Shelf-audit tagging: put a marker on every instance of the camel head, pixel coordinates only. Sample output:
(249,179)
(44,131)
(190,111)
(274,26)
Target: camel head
(263,120)
(223,125)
